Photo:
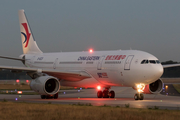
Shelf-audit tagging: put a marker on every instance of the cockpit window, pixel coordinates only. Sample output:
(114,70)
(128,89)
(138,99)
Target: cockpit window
(146,62)
(143,61)
(150,62)
(157,61)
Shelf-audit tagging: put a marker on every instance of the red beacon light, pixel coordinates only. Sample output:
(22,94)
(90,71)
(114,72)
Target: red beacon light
(27,81)
(91,50)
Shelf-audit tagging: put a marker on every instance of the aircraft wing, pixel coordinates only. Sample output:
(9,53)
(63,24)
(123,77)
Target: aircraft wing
(171,80)
(65,75)
(170,65)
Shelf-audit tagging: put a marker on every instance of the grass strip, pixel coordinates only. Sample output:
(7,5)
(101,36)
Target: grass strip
(177,87)
(30,111)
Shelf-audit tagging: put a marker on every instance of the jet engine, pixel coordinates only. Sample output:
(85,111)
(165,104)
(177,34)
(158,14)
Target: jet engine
(154,88)
(45,85)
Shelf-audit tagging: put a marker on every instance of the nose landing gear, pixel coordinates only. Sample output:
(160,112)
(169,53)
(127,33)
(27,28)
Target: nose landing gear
(139,95)
(106,93)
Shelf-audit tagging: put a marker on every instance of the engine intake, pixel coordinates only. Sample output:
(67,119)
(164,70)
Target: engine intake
(154,88)
(45,85)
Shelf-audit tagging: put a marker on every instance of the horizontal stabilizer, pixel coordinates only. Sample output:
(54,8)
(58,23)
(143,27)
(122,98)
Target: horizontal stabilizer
(12,58)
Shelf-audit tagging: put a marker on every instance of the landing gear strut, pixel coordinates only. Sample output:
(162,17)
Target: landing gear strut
(106,93)
(55,96)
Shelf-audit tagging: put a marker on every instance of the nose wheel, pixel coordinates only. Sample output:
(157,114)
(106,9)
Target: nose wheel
(105,93)
(138,96)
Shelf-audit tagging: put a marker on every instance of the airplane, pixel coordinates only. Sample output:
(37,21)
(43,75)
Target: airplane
(89,69)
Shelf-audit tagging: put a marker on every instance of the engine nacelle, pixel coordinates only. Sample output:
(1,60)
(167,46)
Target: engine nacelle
(154,88)
(45,85)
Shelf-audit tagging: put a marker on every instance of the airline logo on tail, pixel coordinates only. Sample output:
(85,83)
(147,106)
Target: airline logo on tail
(27,35)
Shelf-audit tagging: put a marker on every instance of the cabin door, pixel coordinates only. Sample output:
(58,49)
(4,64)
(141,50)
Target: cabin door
(128,62)
(99,66)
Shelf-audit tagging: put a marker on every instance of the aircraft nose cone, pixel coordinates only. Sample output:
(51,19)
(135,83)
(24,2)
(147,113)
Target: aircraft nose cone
(158,71)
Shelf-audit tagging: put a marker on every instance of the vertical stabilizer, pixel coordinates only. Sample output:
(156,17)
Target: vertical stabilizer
(28,43)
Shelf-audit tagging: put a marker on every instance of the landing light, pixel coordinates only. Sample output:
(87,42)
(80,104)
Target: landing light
(140,87)
(99,87)
(139,90)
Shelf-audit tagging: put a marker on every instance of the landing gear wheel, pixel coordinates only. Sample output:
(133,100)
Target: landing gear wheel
(48,97)
(99,94)
(56,96)
(43,96)
(105,94)
(136,96)
(141,96)
(112,94)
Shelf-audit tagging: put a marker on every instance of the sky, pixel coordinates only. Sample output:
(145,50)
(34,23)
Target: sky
(77,25)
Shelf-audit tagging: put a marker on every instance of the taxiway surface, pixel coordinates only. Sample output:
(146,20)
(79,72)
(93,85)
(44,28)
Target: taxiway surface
(124,96)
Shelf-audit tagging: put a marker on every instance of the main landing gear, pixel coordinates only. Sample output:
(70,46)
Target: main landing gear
(105,93)
(138,96)
(55,96)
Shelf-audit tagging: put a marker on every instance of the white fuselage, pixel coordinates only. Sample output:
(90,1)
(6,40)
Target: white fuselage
(106,68)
